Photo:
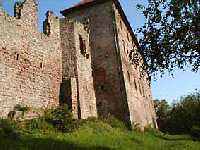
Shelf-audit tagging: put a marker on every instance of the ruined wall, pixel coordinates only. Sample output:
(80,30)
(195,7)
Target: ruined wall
(77,64)
(30,62)
(136,80)
(108,84)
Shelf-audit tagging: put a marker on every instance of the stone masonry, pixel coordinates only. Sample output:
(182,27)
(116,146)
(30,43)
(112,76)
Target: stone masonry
(83,59)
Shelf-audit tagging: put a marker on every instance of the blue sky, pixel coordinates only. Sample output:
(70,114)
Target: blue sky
(167,87)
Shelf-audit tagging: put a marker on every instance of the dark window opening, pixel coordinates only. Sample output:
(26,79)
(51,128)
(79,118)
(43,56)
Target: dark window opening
(102,87)
(87,56)
(17,58)
(120,24)
(82,45)
(140,89)
(47,28)
(41,65)
(129,78)
(135,84)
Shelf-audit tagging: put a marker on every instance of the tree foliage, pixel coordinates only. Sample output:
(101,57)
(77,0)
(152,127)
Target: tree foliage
(182,117)
(171,34)
(162,109)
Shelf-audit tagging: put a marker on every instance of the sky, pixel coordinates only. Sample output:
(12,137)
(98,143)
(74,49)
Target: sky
(167,87)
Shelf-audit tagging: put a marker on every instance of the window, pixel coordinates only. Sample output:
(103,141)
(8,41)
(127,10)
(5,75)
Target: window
(140,89)
(120,24)
(129,77)
(82,45)
(87,56)
(41,65)
(135,84)
(17,57)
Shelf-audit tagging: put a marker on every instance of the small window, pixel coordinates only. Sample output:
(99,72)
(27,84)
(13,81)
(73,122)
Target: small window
(87,56)
(82,45)
(124,46)
(41,65)
(135,85)
(129,77)
(121,24)
(140,89)
(17,57)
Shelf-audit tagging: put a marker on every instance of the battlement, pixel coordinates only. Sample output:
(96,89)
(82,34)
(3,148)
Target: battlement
(26,17)
(30,61)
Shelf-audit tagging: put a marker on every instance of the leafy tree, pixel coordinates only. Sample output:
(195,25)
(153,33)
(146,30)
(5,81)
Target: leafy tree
(171,34)
(185,114)
(162,109)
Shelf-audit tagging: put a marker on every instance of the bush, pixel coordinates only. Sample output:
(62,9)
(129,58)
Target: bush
(62,119)
(195,132)
(8,129)
(114,122)
(36,124)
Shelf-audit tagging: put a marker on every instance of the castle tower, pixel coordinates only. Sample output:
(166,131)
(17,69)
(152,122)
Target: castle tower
(122,89)
(27,12)
(77,85)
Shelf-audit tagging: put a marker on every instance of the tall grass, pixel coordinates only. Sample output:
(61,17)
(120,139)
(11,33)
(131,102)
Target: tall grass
(91,134)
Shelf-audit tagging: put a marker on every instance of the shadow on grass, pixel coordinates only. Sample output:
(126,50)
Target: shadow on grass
(179,138)
(28,143)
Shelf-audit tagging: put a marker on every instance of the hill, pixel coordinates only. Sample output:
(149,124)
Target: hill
(89,135)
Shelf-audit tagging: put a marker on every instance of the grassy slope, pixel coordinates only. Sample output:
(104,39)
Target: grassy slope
(99,136)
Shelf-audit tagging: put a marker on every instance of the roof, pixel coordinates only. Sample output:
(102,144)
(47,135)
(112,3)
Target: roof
(83,4)
(88,3)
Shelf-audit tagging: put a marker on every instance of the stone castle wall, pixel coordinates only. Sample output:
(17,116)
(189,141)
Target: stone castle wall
(30,62)
(136,80)
(77,65)
(82,60)
(120,87)
(108,84)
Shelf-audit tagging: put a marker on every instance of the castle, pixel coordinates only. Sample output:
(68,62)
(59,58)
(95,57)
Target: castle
(82,59)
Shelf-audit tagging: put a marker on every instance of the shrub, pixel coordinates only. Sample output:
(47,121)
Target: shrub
(195,132)
(114,122)
(62,119)
(37,124)
(8,129)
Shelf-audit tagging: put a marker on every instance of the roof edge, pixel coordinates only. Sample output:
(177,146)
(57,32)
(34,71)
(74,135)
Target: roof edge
(82,6)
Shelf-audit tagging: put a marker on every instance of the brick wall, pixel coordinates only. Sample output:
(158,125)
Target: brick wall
(30,62)
(77,64)
(136,80)
(108,84)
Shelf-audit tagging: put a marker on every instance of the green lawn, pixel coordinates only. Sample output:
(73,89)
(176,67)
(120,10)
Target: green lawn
(95,135)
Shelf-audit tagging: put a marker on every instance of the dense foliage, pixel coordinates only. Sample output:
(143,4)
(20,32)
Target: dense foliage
(171,34)
(183,117)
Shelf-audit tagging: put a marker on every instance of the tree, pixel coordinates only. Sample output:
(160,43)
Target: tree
(181,117)
(185,114)
(162,109)
(171,34)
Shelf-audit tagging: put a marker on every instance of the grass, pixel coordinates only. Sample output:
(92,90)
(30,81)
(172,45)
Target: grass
(91,135)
